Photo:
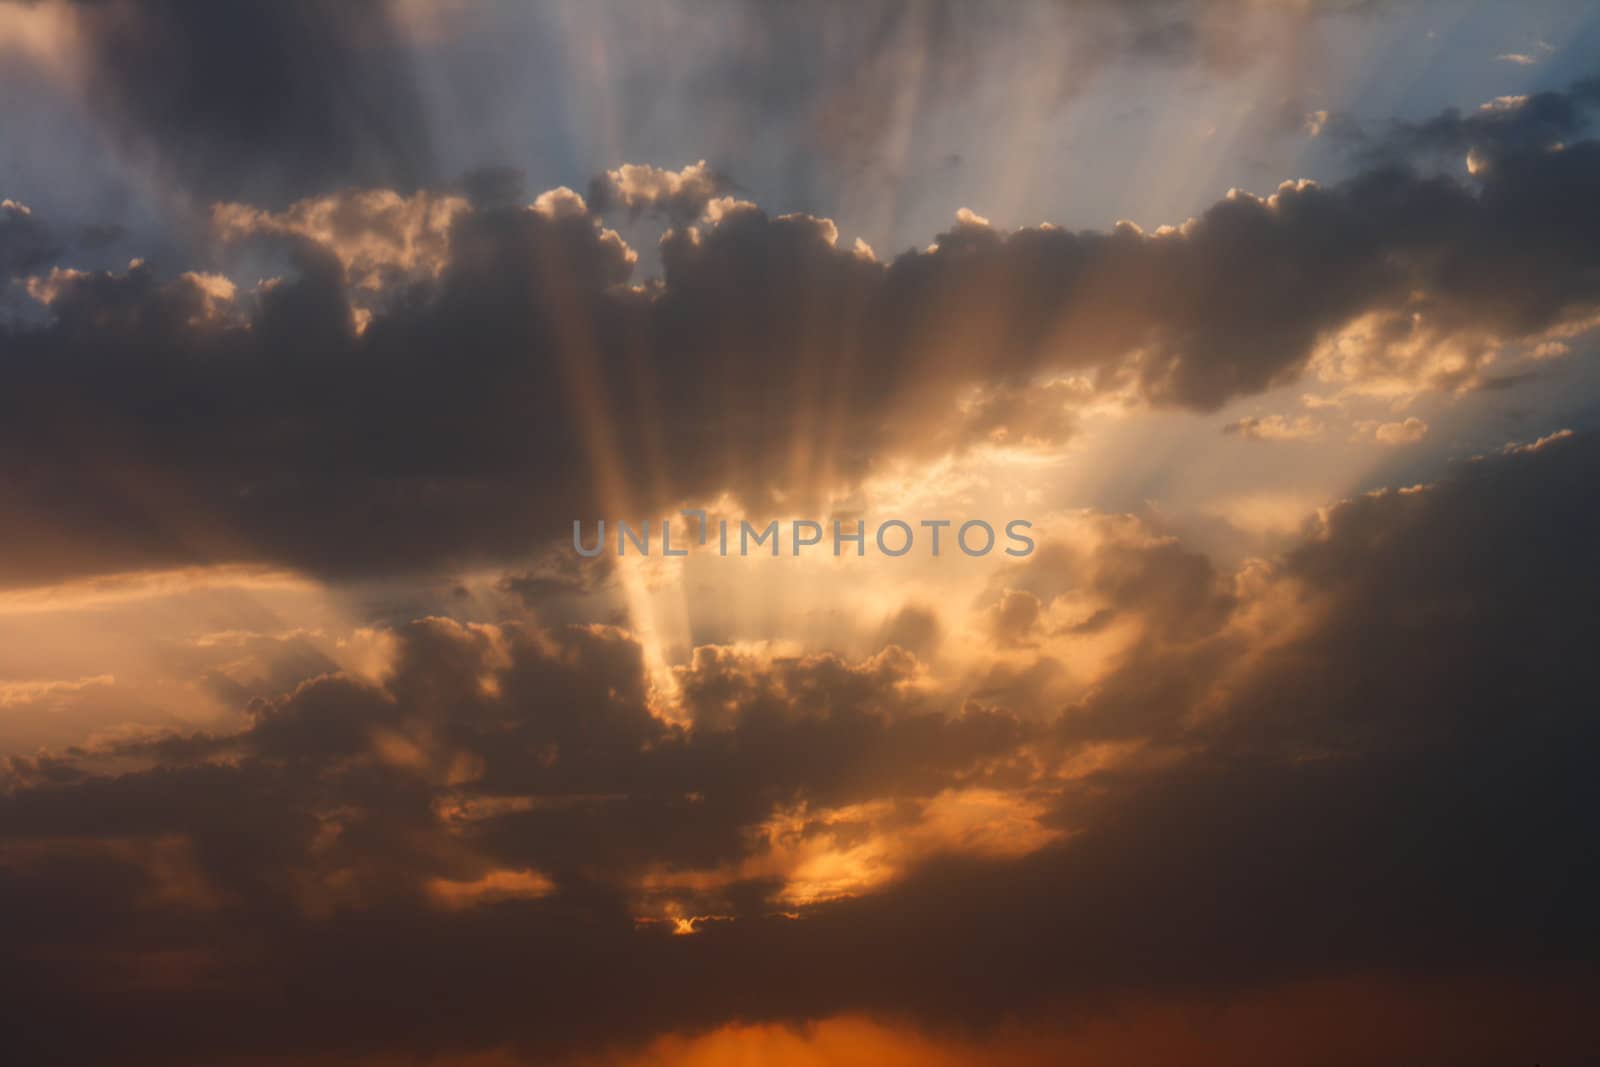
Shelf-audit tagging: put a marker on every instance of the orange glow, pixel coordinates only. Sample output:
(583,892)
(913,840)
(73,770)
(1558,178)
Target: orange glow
(1465,1021)
(491,888)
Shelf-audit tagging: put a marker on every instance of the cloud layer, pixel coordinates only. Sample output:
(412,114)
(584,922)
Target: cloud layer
(1366,759)
(318,744)
(458,373)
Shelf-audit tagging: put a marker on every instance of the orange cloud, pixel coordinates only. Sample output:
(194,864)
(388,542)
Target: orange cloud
(491,888)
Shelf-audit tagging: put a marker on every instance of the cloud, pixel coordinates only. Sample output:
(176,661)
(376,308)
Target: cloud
(638,189)
(1408,432)
(1542,50)
(493,887)
(1504,126)
(380,237)
(1107,802)
(1544,442)
(272,101)
(424,362)
(1275,428)
(25,242)
(1368,758)
(39,690)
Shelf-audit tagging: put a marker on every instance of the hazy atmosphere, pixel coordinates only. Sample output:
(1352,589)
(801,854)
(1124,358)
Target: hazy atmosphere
(1273,321)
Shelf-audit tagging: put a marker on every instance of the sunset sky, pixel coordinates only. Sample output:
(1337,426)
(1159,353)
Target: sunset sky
(321,322)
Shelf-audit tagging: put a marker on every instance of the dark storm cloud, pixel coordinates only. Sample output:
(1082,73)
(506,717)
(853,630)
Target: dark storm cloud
(348,819)
(1402,786)
(258,100)
(164,420)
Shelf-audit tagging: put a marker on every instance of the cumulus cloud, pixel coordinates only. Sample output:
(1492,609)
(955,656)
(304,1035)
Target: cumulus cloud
(506,337)
(1505,125)
(379,236)
(1407,432)
(637,189)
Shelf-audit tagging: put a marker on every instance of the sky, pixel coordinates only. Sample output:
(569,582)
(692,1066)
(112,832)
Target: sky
(331,333)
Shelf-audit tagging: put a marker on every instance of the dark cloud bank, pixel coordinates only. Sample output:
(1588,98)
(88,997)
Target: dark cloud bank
(1403,788)
(152,420)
